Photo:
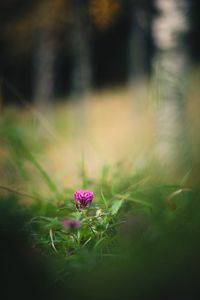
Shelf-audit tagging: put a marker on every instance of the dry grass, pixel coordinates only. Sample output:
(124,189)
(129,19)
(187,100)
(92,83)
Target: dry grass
(102,129)
(106,129)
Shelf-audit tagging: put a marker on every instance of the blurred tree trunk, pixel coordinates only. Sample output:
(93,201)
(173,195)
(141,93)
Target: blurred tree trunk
(43,64)
(80,40)
(139,40)
(170,69)
(140,50)
(81,70)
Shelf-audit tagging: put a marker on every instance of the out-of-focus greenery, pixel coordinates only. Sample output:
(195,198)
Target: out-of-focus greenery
(137,239)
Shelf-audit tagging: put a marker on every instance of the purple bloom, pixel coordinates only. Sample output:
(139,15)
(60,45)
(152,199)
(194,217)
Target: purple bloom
(83,198)
(70,223)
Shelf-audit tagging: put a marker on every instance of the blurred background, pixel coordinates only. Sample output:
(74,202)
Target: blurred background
(86,84)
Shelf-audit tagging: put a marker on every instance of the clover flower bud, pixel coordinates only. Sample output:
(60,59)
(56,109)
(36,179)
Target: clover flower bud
(83,198)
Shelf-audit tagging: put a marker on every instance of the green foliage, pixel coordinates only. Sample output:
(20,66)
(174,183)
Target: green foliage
(118,235)
(119,211)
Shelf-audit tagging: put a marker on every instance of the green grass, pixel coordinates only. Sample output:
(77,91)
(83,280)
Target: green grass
(135,238)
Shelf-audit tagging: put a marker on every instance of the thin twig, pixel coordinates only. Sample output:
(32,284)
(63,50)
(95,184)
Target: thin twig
(18,193)
(172,195)
(52,241)
(169,199)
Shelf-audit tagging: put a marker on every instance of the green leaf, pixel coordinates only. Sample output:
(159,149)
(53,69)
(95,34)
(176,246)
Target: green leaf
(99,241)
(142,202)
(116,206)
(104,199)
